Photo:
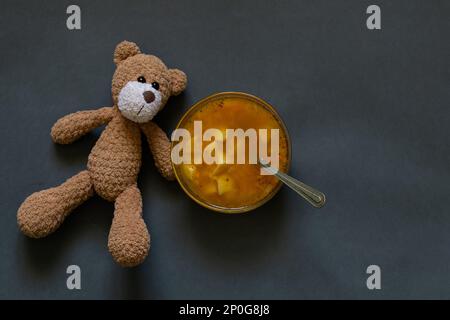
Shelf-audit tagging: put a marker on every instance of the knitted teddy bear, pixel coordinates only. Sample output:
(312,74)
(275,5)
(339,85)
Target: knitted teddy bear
(141,86)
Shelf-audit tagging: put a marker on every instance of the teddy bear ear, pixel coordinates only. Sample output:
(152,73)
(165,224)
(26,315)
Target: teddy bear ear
(178,81)
(124,50)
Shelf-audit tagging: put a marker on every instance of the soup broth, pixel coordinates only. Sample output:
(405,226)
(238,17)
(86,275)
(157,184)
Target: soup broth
(232,185)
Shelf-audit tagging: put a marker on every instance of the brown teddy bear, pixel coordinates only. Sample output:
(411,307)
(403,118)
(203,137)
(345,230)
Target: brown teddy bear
(141,86)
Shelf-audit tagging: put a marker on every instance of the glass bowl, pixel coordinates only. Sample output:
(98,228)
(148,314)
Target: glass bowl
(261,103)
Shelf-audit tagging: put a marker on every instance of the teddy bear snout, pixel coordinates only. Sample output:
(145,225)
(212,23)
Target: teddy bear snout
(149,96)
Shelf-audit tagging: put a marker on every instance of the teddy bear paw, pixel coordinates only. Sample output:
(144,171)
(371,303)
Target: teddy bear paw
(39,215)
(129,241)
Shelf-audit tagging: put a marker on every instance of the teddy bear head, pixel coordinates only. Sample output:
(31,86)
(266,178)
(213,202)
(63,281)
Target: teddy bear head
(142,83)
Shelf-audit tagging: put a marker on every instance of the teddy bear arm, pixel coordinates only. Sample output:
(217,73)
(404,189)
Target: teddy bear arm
(73,126)
(160,147)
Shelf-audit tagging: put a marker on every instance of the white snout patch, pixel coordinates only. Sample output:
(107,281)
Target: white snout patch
(132,103)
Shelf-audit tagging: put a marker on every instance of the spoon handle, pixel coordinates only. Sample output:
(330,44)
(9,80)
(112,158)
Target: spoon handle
(313,196)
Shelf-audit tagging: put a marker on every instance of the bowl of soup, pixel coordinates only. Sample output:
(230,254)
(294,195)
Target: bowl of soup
(232,182)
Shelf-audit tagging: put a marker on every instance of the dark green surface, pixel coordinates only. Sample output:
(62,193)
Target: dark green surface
(368,113)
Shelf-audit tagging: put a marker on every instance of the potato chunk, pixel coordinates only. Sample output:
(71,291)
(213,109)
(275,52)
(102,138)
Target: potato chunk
(189,171)
(224,184)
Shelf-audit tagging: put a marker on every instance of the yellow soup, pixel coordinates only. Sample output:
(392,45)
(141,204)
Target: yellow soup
(225,185)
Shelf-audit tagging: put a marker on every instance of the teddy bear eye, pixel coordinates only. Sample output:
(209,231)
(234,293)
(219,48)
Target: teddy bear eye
(155,85)
(141,79)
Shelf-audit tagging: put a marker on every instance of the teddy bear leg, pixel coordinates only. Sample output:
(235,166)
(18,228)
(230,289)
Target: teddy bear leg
(129,240)
(44,211)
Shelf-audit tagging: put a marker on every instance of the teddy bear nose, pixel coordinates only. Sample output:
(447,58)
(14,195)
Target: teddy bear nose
(149,96)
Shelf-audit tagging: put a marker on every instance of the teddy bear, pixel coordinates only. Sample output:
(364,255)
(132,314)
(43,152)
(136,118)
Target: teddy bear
(141,86)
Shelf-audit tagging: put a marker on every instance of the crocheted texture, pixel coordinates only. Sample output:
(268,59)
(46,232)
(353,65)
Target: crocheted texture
(129,240)
(152,69)
(178,81)
(133,105)
(73,126)
(160,148)
(44,211)
(124,50)
(115,160)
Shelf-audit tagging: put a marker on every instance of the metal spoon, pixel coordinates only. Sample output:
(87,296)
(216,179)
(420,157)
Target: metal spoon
(313,196)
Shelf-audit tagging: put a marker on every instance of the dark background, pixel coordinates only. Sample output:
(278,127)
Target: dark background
(368,114)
